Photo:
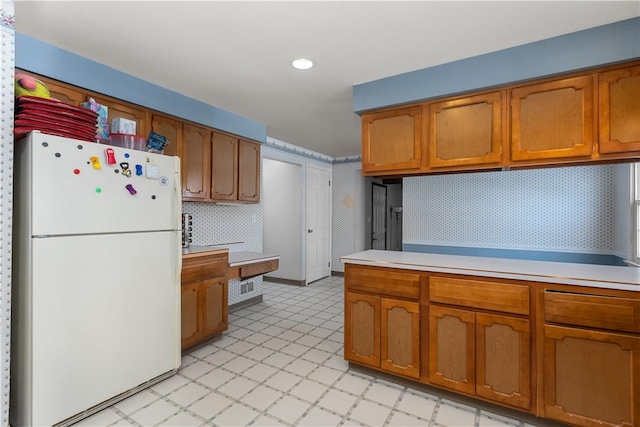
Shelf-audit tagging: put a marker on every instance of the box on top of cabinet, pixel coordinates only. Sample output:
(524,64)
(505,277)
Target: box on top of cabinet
(121,125)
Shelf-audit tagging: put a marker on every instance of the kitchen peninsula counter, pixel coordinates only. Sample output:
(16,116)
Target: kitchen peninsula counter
(556,340)
(589,275)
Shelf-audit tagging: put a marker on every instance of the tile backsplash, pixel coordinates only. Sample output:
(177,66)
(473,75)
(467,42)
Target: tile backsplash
(226,223)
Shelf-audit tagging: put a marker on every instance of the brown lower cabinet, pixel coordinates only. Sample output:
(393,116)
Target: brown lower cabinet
(204,298)
(562,352)
(383,333)
(487,355)
(591,376)
(591,359)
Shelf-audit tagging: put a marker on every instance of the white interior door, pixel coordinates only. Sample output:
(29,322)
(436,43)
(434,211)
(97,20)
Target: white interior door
(318,228)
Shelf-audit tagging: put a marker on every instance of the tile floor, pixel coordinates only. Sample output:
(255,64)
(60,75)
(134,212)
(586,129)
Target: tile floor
(280,364)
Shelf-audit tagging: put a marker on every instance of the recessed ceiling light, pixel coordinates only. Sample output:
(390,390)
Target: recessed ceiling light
(302,64)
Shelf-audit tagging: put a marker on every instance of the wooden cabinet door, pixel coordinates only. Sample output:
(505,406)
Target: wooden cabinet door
(64,93)
(619,110)
(400,337)
(170,129)
(215,306)
(503,359)
(552,120)
(392,141)
(591,378)
(224,167)
(195,163)
(191,321)
(248,171)
(126,111)
(452,340)
(466,131)
(362,328)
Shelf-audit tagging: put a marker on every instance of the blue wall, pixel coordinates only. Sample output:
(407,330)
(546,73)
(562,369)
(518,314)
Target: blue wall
(607,44)
(42,58)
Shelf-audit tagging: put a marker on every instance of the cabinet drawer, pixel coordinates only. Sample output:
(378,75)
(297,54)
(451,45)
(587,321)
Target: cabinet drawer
(203,267)
(478,293)
(383,281)
(598,311)
(251,270)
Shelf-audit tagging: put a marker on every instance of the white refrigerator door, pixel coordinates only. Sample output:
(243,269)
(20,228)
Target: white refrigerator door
(101,328)
(80,187)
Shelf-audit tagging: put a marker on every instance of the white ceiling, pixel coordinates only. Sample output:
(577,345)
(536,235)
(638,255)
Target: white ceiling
(236,55)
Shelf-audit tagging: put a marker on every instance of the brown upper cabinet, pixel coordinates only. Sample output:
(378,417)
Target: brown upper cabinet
(63,92)
(392,141)
(224,158)
(619,110)
(552,120)
(580,118)
(122,110)
(196,165)
(466,132)
(235,169)
(116,108)
(215,167)
(219,168)
(248,171)
(172,130)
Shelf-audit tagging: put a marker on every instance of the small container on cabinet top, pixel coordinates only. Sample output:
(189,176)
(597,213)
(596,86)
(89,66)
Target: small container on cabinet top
(121,125)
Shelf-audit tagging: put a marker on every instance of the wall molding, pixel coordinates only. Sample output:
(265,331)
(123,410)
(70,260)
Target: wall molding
(246,303)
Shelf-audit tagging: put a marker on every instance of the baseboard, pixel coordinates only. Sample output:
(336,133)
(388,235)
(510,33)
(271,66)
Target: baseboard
(246,303)
(284,281)
(534,255)
(337,273)
(456,397)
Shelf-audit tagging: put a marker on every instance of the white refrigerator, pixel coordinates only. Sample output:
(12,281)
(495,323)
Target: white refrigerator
(96,277)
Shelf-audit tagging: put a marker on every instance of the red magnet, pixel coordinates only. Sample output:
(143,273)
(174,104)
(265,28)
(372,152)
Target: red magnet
(111,156)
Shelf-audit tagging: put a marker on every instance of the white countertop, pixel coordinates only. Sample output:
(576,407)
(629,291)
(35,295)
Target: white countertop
(245,257)
(202,249)
(237,256)
(592,275)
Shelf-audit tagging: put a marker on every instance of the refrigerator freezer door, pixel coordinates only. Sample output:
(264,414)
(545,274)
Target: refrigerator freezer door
(84,188)
(100,329)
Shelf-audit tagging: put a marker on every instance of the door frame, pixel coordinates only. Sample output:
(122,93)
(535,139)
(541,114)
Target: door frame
(384,213)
